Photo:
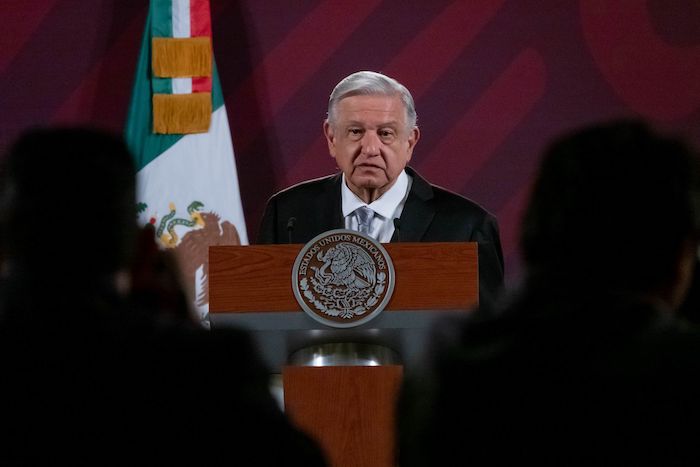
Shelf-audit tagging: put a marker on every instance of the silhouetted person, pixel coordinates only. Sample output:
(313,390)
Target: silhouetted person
(67,217)
(586,363)
(100,361)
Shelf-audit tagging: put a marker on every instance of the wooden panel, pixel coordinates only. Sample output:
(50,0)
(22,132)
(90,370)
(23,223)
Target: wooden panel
(439,276)
(257,278)
(252,278)
(350,411)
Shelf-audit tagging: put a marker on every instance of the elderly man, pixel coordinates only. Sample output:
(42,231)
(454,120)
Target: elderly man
(371,132)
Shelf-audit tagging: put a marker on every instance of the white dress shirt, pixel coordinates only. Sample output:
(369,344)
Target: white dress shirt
(386,207)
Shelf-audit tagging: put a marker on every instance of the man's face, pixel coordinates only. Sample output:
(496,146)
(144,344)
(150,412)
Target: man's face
(370,142)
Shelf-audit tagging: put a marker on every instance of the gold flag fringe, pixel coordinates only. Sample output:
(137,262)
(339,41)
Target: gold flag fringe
(181,57)
(181,113)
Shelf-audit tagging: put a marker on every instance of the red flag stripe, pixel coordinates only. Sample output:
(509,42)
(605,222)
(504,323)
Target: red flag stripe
(201,84)
(200,25)
(200,18)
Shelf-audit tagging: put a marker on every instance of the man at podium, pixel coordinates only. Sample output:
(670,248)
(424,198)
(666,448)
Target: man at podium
(371,133)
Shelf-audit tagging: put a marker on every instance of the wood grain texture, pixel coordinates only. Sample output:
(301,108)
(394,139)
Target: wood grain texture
(350,411)
(257,278)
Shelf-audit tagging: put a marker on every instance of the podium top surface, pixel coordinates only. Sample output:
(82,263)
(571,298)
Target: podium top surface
(258,278)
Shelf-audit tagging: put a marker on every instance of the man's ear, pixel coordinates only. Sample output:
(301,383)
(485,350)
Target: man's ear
(413,137)
(330,137)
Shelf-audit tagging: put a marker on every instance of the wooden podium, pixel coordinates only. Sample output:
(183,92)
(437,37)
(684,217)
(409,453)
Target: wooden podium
(349,409)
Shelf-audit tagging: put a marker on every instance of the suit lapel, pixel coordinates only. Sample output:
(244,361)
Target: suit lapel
(318,213)
(418,212)
(334,219)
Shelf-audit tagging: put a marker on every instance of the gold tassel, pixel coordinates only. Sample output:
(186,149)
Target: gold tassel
(181,57)
(181,113)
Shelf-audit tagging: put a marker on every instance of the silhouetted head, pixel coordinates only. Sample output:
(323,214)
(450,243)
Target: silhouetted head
(67,203)
(612,208)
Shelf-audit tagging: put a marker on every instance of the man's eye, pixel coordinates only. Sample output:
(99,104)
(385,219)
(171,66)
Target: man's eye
(386,134)
(355,132)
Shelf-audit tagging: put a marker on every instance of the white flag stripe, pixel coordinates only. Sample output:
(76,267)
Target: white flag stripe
(181,18)
(182,85)
(203,165)
(199,167)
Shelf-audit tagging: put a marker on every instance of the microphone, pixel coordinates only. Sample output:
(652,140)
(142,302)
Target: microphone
(397,228)
(290,228)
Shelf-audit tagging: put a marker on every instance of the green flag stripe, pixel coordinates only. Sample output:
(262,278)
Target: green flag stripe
(146,146)
(162,85)
(217,97)
(162,26)
(162,11)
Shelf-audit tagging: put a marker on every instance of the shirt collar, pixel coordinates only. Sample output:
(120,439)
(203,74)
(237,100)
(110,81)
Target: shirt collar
(385,205)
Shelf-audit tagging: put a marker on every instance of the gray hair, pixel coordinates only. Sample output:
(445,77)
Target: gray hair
(371,83)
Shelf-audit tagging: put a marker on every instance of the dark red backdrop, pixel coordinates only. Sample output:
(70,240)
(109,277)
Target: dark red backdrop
(493,80)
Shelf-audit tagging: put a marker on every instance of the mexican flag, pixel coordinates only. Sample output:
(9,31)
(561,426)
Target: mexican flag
(178,132)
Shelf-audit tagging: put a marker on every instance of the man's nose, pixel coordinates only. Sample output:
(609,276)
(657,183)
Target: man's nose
(370,144)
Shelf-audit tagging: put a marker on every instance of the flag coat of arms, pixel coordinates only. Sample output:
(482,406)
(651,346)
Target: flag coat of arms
(178,132)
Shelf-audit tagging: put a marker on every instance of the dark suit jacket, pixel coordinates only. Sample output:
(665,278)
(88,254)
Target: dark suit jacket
(431,214)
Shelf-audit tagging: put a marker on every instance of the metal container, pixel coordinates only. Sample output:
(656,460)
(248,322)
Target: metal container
(345,354)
